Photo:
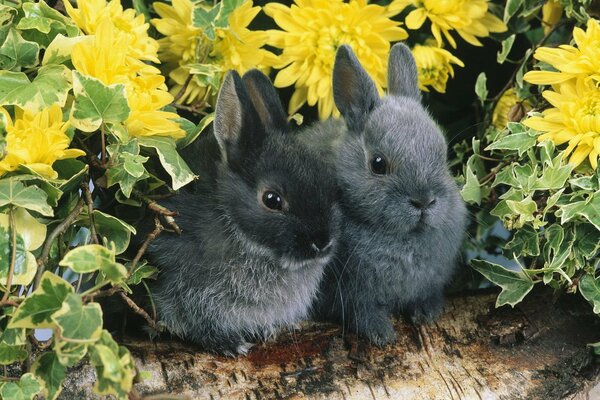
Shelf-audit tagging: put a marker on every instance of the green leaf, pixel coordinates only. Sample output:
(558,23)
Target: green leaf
(43,23)
(193,131)
(506,46)
(480,87)
(141,271)
(69,353)
(10,354)
(114,365)
(78,323)
(114,230)
(555,235)
(171,161)
(516,141)
(96,103)
(24,389)
(13,192)
(590,290)
(524,209)
(515,285)
(553,176)
(17,53)
(512,6)
(134,164)
(37,309)
(32,231)
(525,242)
(51,373)
(25,264)
(50,86)
(471,191)
(60,49)
(589,209)
(204,19)
(587,239)
(94,257)
(585,182)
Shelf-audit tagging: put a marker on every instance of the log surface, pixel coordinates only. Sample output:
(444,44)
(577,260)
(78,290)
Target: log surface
(535,351)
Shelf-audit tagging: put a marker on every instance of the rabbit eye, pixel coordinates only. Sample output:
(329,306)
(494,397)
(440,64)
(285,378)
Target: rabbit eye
(272,200)
(379,165)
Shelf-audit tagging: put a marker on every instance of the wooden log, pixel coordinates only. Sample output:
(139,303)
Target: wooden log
(535,351)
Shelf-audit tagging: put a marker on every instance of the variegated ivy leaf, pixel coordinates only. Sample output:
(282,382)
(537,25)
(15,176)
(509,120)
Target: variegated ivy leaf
(23,389)
(177,169)
(76,322)
(17,53)
(515,285)
(51,374)
(94,257)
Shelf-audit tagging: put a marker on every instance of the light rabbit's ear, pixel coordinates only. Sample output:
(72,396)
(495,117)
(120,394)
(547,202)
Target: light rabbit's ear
(403,79)
(237,127)
(354,91)
(265,100)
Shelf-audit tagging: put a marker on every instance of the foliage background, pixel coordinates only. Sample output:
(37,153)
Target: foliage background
(88,144)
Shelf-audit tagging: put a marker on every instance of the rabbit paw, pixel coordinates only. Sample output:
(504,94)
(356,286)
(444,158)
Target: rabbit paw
(379,331)
(425,312)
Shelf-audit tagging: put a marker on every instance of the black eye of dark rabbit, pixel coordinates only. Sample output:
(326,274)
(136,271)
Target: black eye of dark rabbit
(272,200)
(378,165)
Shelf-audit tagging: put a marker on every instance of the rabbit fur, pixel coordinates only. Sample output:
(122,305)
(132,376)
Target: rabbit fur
(402,229)
(240,271)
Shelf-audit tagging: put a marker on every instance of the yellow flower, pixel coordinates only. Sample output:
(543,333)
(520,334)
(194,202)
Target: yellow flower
(571,62)
(434,65)
(37,140)
(573,119)
(312,32)
(469,18)
(146,96)
(506,106)
(551,13)
(235,47)
(133,27)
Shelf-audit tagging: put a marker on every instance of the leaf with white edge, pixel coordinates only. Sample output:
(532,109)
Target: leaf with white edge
(511,8)
(42,23)
(589,209)
(24,389)
(520,142)
(204,19)
(114,230)
(25,266)
(506,46)
(553,176)
(515,285)
(134,164)
(78,323)
(37,309)
(29,197)
(193,131)
(590,289)
(69,353)
(587,239)
(142,271)
(10,354)
(177,169)
(524,242)
(17,53)
(523,209)
(50,86)
(96,103)
(51,374)
(60,49)
(481,88)
(114,366)
(471,191)
(32,231)
(94,257)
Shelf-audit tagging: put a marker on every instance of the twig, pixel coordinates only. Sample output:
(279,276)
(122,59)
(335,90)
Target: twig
(164,212)
(103,143)
(183,89)
(141,312)
(151,300)
(106,293)
(158,228)
(90,206)
(13,253)
(59,230)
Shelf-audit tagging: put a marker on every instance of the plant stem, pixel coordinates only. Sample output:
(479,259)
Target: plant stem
(13,254)
(90,206)
(151,236)
(140,312)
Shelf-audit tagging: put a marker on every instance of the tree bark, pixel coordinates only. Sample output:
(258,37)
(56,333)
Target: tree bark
(535,351)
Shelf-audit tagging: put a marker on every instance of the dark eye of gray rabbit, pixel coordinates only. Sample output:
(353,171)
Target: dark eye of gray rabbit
(272,200)
(379,165)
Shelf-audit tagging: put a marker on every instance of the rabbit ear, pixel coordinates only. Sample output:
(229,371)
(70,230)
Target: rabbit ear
(402,73)
(236,126)
(354,91)
(265,100)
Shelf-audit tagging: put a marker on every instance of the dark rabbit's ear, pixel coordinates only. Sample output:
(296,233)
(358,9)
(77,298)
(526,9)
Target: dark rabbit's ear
(265,100)
(236,126)
(354,91)
(403,79)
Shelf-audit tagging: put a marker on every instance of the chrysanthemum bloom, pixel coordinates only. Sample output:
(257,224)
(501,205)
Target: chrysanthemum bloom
(570,61)
(434,65)
(104,57)
(469,18)
(132,26)
(236,47)
(37,140)
(506,105)
(574,119)
(551,13)
(312,32)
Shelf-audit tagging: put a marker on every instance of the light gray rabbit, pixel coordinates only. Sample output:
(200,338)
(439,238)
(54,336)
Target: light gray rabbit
(403,217)
(258,227)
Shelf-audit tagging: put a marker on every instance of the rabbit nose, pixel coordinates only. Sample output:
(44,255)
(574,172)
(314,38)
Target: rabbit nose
(421,204)
(321,243)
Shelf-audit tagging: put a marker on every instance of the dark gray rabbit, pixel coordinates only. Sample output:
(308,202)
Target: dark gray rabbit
(258,227)
(403,217)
